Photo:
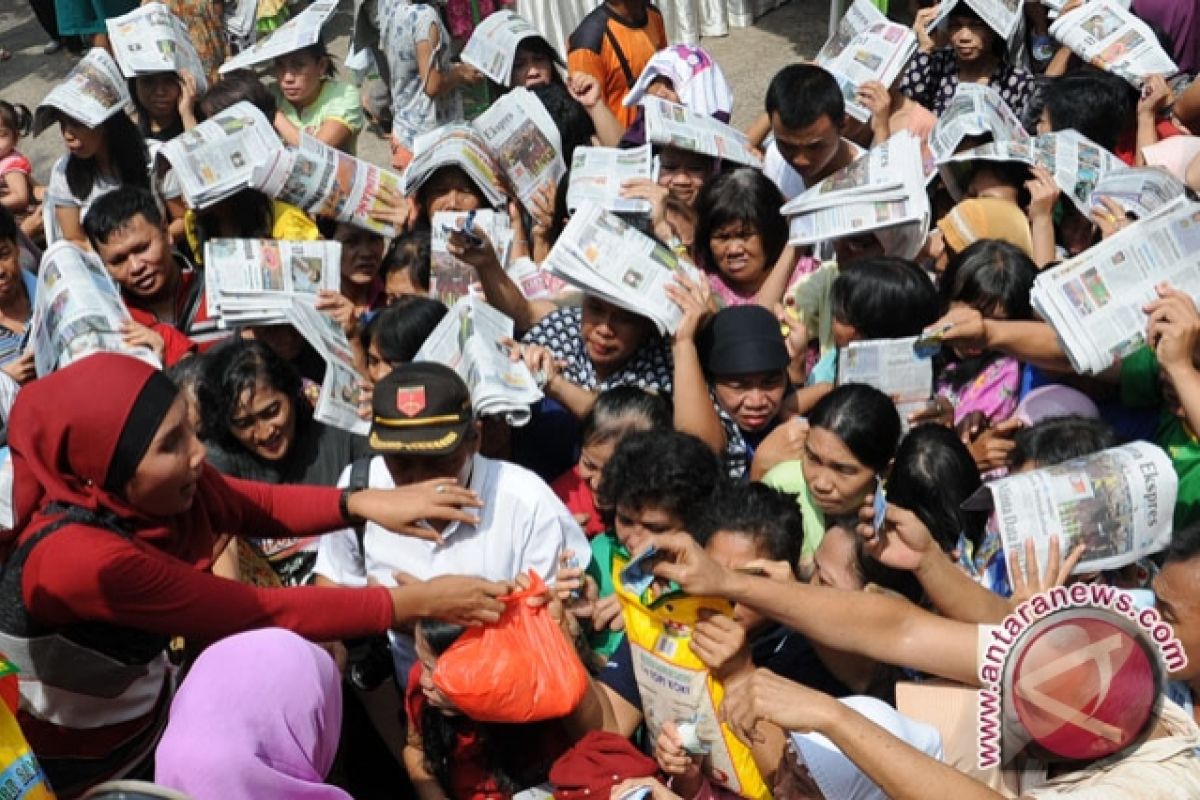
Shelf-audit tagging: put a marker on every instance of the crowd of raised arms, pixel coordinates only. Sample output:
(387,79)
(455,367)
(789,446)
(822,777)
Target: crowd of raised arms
(206,588)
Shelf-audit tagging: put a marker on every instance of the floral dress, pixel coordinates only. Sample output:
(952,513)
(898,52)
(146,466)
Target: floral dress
(402,26)
(932,79)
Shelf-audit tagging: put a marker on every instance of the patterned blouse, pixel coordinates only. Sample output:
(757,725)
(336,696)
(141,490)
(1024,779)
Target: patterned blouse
(561,332)
(932,79)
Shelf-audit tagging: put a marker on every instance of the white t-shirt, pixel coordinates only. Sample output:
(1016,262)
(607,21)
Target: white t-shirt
(58,193)
(785,177)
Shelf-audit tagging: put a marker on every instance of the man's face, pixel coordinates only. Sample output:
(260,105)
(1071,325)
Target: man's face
(407,470)
(811,150)
(1178,602)
(138,256)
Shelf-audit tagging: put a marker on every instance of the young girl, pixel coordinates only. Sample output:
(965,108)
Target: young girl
(394,335)
(311,100)
(740,234)
(16,173)
(406,265)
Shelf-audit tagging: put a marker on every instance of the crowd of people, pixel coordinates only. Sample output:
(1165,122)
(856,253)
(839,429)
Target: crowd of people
(207,588)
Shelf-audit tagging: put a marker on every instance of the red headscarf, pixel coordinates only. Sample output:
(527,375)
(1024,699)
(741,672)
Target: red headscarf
(64,431)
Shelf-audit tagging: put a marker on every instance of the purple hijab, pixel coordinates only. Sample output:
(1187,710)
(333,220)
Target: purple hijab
(258,716)
(1178,19)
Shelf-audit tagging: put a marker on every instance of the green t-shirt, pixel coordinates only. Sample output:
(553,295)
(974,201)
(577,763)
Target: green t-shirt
(605,551)
(337,101)
(789,477)
(1140,388)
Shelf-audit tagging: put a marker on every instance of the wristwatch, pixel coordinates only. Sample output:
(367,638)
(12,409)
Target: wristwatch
(344,506)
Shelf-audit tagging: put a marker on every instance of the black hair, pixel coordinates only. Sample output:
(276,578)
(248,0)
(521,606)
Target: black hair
(539,46)
(1091,102)
(999,44)
(16,117)
(251,210)
(411,252)
(664,469)
(317,50)
(8,227)
(932,476)
(143,115)
(113,210)
(864,418)
(575,127)
(127,154)
(399,330)
(622,410)
(803,93)
(423,189)
(1058,439)
(744,195)
(1010,173)
(235,87)
(770,517)
(884,297)
(232,369)
(187,372)
(1185,544)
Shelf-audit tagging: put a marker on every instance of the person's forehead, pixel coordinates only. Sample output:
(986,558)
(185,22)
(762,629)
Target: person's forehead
(1179,583)
(821,128)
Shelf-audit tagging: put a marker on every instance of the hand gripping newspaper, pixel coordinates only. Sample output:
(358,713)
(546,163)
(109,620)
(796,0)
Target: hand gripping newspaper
(883,191)
(326,182)
(1118,503)
(602,255)
(867,46)
(1094,301)
(597,174)
(673,125)
(299,32)
(525,141)
(469,341)
(975,110)
(450,278)
(93,91)
(77,311)
(492,47)
(219,156)
(1141,191)
(1111,38)
(343,399)
(896,367)
(457,145)
(150,40)
(1002,16)
(253,281)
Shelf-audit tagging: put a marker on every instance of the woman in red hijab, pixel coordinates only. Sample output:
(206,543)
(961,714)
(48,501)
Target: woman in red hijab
(117,515)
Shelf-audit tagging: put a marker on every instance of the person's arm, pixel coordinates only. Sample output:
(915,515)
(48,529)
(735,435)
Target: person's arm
(288,131)
(585,88)
(20,191)
(602,709)
(775,286)
(1155,97)
(694,412)
(435,82)
(758,130)
(499,289)
(1174,331)
(334,133)
(70,225)
(1029,341)
(1043,194)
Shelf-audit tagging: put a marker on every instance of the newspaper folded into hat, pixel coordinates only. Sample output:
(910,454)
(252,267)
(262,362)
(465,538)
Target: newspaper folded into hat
(301,31)
(1002,16)
(93,91)
(150,40)
(866,47)
(492,48)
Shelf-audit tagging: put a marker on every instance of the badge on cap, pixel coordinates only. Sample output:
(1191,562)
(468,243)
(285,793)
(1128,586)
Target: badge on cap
(410,400)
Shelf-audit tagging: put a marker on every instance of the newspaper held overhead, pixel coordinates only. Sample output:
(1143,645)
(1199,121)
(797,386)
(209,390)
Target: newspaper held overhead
(1141,191)
(150,40)
(455,145)
(1111,38)
(673,125)
(1002,16)
(597,174)
(893,367)
(77,311)
(342,393)
(975,110)
(468,341)
(492,47)
(603,256)
(450,278)
(299,32)
(525,141)
(253,281)
(93,91)
(875,50)
(1118,503)
(1094,301)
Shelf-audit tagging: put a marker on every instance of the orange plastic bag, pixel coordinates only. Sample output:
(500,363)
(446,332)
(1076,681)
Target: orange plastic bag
(521,669)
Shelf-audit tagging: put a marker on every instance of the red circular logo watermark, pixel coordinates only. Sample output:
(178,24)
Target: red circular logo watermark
(1083,684)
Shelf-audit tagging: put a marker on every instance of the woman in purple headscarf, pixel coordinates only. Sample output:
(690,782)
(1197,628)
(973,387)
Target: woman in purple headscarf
(1180,20)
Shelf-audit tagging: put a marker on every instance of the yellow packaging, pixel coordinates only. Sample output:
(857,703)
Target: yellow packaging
(21,778)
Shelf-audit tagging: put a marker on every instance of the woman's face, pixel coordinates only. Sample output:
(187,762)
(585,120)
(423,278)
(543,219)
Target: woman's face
(836,479)
(970,37)
(159,95)
(836,561)
(611,335)
(428,660)
(531,68)
(683,172)
(592,459)
(81,141)
(737,249)
(752,400)
(636,526)
(264,421)
(164,483)
(450,189)
(11,285)
(299,75)
(362,253)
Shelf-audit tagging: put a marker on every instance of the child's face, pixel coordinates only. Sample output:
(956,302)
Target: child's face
(399,282)
(8,140)
(637,526)
(10,270)
(428,660)
(592,459)
(378,367)
(843,332)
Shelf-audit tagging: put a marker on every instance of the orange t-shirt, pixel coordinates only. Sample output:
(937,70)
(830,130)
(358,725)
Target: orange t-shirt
(590,49)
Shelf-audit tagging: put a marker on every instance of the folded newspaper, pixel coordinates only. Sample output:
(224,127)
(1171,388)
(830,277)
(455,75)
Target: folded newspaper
(673,125)
(1094,301)
(455,145)
(218,157)
(602,255)
(150,40)
(492,47)
(1141,191)
(93,91)
(253,281)
(597,174)
(526,143)
(343,392)
(894,367)
(449,278)
(866,47)
(77,311)
(1002,16)
(1113,39)
(1118,503)
(882,192)
(299,32)
(468,341)
(975,110)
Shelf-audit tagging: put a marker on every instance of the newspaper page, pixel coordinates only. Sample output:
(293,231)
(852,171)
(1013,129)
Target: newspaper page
(77,311)
(673,125)
(893,367)
(860,16)
(150,39)
(1002,16)
(449,278)
(459,145)
(253,281)
(597,174)
(602,255)
(878,174)
(468,340)
(1113,39)
(343,392)
(492,47)
(876,52)
(93,91)
(525,141)
(1118,503)
(535,281)
(299,32)
(975,110)
(1095,300)
(1141,191)
(219,156)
